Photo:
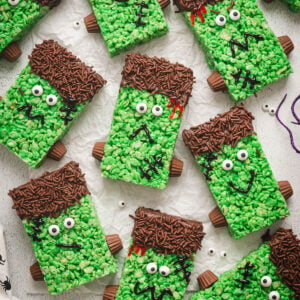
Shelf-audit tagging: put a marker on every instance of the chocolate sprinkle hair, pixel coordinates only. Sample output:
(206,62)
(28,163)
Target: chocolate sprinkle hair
(165,233)
(227,128)
(285,254)
(193,5)
(157,75)
(65,72)
(49,3)
(50,194)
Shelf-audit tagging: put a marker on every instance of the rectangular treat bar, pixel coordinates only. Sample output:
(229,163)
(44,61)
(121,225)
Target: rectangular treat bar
(160,257)
(146,121)
(271,272)
(238,44)
(62,224)
(126,23)
(16,18)
(49,94)
(237,172)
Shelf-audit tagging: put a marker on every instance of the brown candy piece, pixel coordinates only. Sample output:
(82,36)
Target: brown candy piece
(217,218)
(163,3)
(176,167)
(285,189)
(286,43)
(98,150)
(110,292)
(12,52)
(57,151)
(206,279)
(91,23)
(216,82)
(114,243)
(36,272)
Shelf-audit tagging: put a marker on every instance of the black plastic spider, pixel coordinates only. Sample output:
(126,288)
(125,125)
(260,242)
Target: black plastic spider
(6,284)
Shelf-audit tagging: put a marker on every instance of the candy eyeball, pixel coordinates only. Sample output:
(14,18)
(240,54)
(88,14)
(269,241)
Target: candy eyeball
(157,110)
(265,107)
(274,295)
(211,252)
(164,270)
(242,154)
(37,90)
(76,25)
(141,108)
(53,230)
(266,281)
(151,268)
(13,2)
(51,100)
(220,20)
(223,254)
(234,15)
(69,223)
(121,204)
(227,164)
(272,111)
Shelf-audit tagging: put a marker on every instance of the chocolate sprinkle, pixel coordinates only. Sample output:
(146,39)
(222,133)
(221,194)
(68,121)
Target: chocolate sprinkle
(158,76)
(65,72)
(50,3)
(225,129)
(165,233)
(285,254)
(193,5)
(50,194)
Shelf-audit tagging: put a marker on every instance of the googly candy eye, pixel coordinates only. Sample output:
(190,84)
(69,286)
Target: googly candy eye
(265,107)
(164,270)
(211,252)
(13,2)
(220,20)
(234,15)
(242,154)
(69,223)
(227,164)
(37,90)
(141,108)
(272,111)
(76,25)
(266,281)
(121,204)
(53,230)
(274,295)
(157,110)
(151,268)
(223,254)
(51,100)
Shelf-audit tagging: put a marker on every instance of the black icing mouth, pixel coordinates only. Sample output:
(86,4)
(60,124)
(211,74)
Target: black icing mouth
(250,183)
(146,130)
(151,288)
(74,246)
(28,108)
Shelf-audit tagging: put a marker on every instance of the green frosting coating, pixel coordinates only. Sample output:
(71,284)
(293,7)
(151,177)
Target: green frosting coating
(65,268)
(124,156)
(245,212)
(16,21)
(135,269)
(28,138)
(228,288)
(265,60)
(294,5)
(116,20)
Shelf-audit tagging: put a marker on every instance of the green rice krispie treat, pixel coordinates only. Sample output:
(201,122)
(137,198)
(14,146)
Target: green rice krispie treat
(49,94)
(238,44)
(160,257)
(126,23)
(146,120)
(237,172)
(270,273)
(293,5)
(17,17)
(62,224)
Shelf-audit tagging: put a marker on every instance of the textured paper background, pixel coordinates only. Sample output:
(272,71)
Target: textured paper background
(187,196)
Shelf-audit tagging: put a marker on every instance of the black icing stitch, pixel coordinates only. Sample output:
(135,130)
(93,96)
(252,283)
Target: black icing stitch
(245,274)
(2,261)
(146,130)
(140,14)
(247,79)
(250,183)
(71,107)
(6,285)
(151,288)
(152,166)
(246,45)
(38,222)
(28,107)
(183,267)
(69,246)
(209,157)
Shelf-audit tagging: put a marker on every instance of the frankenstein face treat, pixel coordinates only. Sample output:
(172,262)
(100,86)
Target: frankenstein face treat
(126,23)
(270,273)
(238,45)
(237,172)
(46,98)
(146,121)
(62,224)
(16,18)
(160,257)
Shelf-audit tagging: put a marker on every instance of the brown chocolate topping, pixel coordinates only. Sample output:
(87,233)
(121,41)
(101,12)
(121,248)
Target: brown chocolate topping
(285,254)
(165,233)
(157,75)
(193,5)
(50,194)
(227,128)
(50,3)
(65,72)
